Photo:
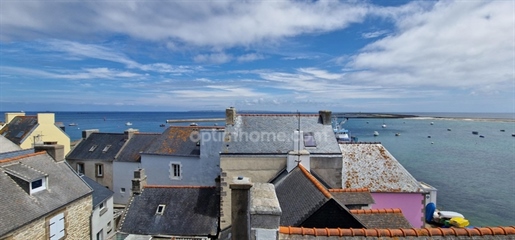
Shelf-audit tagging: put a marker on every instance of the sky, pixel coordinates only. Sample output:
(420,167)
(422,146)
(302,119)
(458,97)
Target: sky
(274,55)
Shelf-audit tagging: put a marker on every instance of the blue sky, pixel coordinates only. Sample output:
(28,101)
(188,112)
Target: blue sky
(384,56)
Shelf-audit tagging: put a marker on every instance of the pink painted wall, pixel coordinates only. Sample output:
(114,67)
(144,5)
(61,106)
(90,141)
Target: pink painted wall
(411,204)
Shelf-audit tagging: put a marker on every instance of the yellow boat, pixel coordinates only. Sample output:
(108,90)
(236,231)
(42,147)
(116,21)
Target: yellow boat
(459,222)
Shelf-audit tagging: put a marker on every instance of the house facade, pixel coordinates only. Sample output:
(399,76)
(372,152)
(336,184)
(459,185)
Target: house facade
(55,202)
(102,220)
(27,131)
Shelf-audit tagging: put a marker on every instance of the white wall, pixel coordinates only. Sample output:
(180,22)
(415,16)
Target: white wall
(100,221)
(123,173)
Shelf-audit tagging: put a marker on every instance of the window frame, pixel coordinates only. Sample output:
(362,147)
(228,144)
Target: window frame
(175,171)
(99,170)
(80,166)
(160,209)
(39,188)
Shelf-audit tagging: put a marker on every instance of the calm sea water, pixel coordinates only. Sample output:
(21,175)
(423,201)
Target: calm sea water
(474,176)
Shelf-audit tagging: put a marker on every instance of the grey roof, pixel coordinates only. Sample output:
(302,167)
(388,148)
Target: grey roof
(298,198)
(352,196)
(382,218)
(100,192)
(189,211)
(135,145)
(178,141)
(274,134)
(16,153)
(21,208)
(7,145)
(372,166)
(19,128)
(101,141)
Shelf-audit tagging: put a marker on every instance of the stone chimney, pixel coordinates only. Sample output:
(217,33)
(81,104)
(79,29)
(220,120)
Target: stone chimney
(240,208)
(324,117)
(86,133)
(139,181)
(230,116)
(52,148)
(265,212)
(130,132)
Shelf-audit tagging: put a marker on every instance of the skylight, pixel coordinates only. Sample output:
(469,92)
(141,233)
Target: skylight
(93,148)
(309,139)
(160,209)
(106,148)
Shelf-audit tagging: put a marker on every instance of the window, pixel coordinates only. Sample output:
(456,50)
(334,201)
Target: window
(93,148)
(100,235)
(106,148)
(160,209)
(80,168)
(101,205)
(309,140)
(56,227)
(175,171)
(122,190)
(20,134)
(99,170)
(37,185)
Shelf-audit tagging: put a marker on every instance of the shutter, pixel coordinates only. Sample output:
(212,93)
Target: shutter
(57,227)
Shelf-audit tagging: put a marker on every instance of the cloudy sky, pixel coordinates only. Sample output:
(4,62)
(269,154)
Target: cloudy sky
(369,56)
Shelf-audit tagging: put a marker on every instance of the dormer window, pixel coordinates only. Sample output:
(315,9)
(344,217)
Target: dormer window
(38,185)
(160,209)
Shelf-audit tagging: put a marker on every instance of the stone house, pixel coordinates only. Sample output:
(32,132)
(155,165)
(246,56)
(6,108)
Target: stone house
(27,131)
(42,197)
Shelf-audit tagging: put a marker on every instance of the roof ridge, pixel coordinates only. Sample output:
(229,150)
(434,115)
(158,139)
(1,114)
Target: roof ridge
(22,156)
(349,190)
(277,115)
(399,232)
(175,186)
(375,211)
(314,181)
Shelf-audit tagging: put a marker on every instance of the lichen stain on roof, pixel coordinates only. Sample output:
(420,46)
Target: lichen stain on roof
(372,166)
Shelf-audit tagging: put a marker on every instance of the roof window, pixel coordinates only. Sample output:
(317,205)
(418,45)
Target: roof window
(93,148)
(20,134)
(160,209)
(106,148)
(309,139)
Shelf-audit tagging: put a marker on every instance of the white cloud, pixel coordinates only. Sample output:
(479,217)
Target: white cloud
(214,58)
(374,34)
(250,57)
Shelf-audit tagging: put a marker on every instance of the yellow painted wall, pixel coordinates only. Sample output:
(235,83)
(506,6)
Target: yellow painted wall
(46,131)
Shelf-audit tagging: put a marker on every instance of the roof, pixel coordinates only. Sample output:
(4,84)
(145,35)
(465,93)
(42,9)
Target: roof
(303,199)
(188,211)
(98,146)
(274,134)
(371,166)
(381,218)
(402,233)
(7,145)
(21,208)
(17,153)
(134,146)
(100,192)
(19,128)
(353,196)
(178,141)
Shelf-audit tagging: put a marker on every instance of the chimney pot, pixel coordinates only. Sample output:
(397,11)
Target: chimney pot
(324,117)
(230,116)
(53,149)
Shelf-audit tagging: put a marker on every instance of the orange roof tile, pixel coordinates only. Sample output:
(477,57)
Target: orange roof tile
(22,156)
(409,232)
(315,182)
(169,186)
(375,211)
(349,190)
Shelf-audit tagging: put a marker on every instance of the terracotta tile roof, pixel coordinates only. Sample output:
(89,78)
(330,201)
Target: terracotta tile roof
(375,211)
(407,232)
(390,218)
(171,186)
(349,190)
(315,182)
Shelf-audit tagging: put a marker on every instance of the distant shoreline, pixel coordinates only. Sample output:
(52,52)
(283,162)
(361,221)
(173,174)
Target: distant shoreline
(412,116)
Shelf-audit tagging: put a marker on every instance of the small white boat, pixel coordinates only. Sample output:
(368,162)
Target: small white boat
(432,123)
(72,124)
(383,126)
(397,134)
(448,129)
(128,124)
(376,134)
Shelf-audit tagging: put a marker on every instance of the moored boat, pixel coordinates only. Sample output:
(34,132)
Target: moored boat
(128,124)
(376,134)
(475,132)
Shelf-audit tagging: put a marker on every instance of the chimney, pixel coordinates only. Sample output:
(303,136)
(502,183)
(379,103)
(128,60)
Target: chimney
(46,118)
(130,132)
(52,148)
(139,181)
(86,133)
(240,208)
(230,116)
(324,117)
(265,212)
(10,116)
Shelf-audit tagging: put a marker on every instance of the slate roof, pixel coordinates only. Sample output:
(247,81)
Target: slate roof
(16,153)
(381,218)
(372,166)
(100,192)
(189,211)
(135,145)
(349,196)
(304,200)
(7,145)
(19,128)
(21,208)
(274,133)
(178,141)
(101,141)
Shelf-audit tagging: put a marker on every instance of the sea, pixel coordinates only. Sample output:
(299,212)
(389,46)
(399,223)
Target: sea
(474,173)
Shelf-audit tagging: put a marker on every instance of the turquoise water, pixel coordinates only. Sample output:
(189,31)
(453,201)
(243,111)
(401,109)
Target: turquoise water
(474,176)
